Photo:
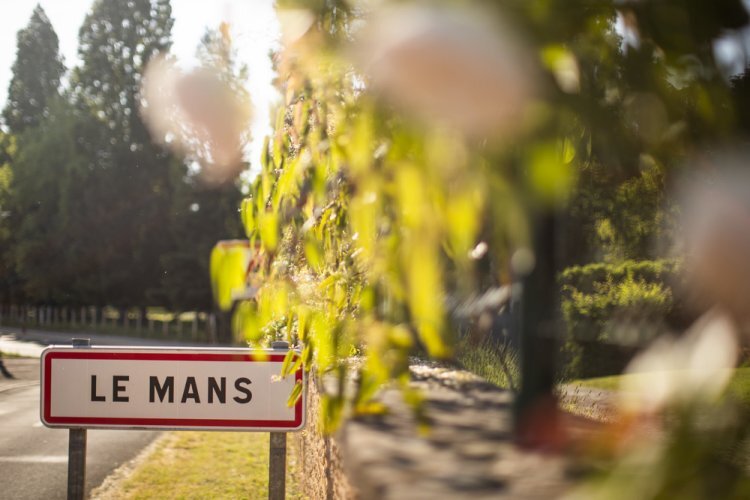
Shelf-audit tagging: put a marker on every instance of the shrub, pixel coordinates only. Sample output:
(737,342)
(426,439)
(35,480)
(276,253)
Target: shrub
(609,309)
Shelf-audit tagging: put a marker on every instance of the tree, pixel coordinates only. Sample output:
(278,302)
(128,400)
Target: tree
(129,182)
(185,282)
(93,211)
(44,257)
(32,93)
(36,74)
(9,285)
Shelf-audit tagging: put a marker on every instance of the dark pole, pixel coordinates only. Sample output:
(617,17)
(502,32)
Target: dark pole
(277,453)
(77,451)
(538,332)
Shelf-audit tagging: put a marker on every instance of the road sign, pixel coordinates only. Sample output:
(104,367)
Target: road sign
(161,388)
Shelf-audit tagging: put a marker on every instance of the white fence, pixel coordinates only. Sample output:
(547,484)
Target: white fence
(156,323)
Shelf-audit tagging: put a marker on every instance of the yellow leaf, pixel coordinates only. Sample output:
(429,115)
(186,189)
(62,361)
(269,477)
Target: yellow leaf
(463,218)
(551,178)
(363,216)
(563,65)
(303,322)
(245,322)
(247,212)
(313,253)
(361,143)
(426,296)
(287,363)
(269,230)
(412,198)
(295,395)
(229,262)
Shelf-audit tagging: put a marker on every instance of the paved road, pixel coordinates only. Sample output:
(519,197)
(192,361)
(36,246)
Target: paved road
(31,342)
(33,458)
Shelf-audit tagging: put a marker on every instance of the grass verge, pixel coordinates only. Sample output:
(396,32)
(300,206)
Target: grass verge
(11,355)
(193,465)
(740,383)
(493,361)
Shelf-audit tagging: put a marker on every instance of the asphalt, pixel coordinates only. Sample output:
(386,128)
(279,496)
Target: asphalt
(34,458)
(31,342)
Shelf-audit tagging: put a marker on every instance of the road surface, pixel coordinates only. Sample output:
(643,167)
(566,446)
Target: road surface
(33,458)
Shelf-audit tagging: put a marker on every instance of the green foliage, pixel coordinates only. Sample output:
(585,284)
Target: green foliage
(370,216)
(497,363)
(39,215)
(614,304)
(129,177)
(185,282)
(116,41)
(622,218)
(229,262)
(32,94)
(36,74)
(597,297)
(8,277)
(92,211)
(587,278)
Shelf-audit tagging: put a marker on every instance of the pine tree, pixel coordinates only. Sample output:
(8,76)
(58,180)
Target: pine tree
(34,88)
(36,74)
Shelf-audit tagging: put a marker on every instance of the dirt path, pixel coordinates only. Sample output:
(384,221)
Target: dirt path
(592,403)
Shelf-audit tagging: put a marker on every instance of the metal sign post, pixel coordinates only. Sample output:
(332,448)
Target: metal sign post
(77,451)
(277,467)
(277,454)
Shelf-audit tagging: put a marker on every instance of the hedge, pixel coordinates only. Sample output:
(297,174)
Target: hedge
(614,308)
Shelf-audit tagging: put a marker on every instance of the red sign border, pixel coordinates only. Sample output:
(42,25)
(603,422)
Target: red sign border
(178,354)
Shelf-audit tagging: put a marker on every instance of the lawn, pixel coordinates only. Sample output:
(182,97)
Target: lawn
(193,465)
(494,362)
(740,383)
(11,355)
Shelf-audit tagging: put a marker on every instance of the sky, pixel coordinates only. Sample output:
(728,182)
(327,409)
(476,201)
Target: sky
(254,30)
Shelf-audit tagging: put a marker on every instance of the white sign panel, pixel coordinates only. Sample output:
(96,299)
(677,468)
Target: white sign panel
(120,387)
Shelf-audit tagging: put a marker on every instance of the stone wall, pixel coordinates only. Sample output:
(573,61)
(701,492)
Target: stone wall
(321,472)
(464,449)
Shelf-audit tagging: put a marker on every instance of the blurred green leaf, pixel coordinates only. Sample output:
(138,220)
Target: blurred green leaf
(229,262)
(552,178)
(245,323)
(296,394)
